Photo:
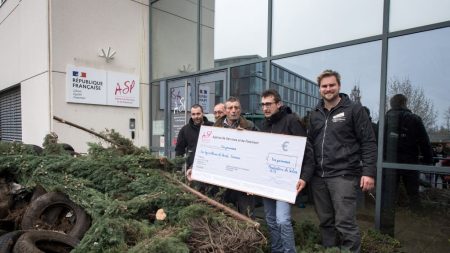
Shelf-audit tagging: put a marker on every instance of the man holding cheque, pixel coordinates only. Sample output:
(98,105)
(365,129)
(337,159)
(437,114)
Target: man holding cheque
(280,119)
(275,164)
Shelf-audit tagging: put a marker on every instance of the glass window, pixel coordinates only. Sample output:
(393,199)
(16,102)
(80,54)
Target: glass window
(158,115)
(240,29)
(410,210)
(247,84)
(359,65)
(207,34)
(418,67)
(417,124)
(411,13)
(302,24)
(174,37)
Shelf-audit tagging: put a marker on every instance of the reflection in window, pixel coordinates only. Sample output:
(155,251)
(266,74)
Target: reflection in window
(417,67)
(157,112)
(174,37)
(417,131)
(207,34)
(406,14)
(358,65)
(292,96)
(240,28)
(303,24)
(247,84)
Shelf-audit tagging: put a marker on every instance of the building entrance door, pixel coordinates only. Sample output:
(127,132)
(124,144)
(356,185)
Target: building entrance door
(205,90)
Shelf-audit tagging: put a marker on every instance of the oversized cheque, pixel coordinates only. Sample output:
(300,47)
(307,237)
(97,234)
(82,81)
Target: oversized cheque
(264,164)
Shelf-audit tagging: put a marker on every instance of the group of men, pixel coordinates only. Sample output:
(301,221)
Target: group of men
(339,160)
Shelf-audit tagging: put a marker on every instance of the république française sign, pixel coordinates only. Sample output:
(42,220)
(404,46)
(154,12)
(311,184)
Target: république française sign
(94,86)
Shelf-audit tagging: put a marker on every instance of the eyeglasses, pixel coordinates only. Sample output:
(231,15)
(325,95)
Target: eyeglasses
(268,104)
(218,112)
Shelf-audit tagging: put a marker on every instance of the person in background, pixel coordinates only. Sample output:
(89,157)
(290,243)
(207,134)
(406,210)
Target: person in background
(188,135)
(405,141)
(219,111)
(374,125)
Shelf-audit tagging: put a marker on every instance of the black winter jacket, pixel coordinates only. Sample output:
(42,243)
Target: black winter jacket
(406,138)
(343,140)
(187,140)
(285,122)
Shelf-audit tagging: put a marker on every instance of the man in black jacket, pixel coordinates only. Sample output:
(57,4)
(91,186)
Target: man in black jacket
(279,119)
(405,140)
(345,152)
(188,135)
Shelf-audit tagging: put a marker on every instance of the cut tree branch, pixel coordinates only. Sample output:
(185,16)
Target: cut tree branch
(212,202)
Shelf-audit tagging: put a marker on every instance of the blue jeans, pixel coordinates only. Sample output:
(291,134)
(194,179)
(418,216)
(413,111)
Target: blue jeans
(278,218)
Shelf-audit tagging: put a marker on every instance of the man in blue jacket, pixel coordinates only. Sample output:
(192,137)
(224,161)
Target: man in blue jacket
(345,153)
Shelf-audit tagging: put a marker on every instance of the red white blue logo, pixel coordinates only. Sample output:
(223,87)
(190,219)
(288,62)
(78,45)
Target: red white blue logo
(79,74)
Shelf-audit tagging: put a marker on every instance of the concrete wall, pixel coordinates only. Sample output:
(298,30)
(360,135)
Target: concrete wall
(36,47)
(79,30)
(35,109)
(24,60)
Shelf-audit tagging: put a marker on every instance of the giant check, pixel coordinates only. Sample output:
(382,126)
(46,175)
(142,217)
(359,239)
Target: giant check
(264,164)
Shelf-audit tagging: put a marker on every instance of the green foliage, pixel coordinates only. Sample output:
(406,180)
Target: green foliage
(52,147)
(16,148)
(307,235)
(119,145)
(195,211)
(161,245)
(121,187)
(374,241)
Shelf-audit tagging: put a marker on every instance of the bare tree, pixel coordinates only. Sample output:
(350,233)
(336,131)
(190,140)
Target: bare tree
(418,103)
(447,119)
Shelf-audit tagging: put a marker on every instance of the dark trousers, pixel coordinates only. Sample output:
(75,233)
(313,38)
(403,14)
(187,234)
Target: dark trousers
(244,203)
(335,204)
(391,182)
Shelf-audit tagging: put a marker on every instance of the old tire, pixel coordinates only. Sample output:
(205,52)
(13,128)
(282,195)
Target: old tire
(8,240)
(51,201)
(39,241)
(6,199)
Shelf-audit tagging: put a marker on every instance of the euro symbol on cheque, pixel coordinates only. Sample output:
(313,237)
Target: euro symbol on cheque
(284,145)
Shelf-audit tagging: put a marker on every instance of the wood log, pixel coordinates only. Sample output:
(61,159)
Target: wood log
(212,202)
(84,129)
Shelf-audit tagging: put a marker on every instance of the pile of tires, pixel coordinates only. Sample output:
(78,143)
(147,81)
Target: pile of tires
(51,223)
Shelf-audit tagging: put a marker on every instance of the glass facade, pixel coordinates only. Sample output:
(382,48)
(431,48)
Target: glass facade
(296,91)
(381,49)
(240,28)
(406,14)
(416,132)
(303,24)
